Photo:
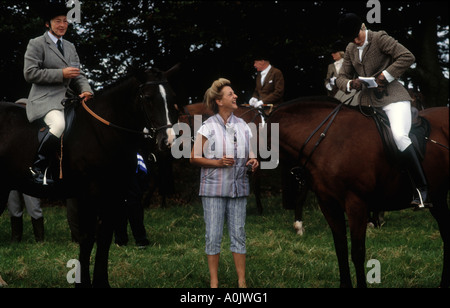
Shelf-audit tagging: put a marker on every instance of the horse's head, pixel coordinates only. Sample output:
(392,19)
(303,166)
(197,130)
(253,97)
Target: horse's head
(157,101)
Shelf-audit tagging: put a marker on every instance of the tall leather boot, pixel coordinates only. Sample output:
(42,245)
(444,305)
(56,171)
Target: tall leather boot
(47,148)
(38,229)
(417,175)
(16,229)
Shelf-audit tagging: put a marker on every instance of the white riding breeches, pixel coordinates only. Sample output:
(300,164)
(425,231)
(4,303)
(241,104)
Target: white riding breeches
(56,122)
(399,115)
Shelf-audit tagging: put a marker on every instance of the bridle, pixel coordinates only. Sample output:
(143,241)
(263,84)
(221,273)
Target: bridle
(152,130)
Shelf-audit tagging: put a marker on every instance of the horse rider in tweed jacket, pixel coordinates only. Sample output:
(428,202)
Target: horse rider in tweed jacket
(378,55)
(48,67)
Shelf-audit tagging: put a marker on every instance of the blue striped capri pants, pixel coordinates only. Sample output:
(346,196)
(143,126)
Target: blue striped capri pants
(215,210)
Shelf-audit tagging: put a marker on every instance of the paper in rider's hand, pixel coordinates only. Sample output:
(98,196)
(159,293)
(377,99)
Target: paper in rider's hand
(370,81)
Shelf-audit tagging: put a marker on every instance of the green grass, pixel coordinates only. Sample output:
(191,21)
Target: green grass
(408,247)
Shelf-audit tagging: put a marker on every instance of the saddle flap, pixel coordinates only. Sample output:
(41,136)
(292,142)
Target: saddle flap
(420,130)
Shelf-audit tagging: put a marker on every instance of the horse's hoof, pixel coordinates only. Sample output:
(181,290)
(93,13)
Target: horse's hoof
(2,282)
(298,226)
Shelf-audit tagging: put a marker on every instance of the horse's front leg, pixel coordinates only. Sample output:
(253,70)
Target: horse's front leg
(87,220)
(336,220)
(357,214)
(298,211)
(104,239)
(108,221)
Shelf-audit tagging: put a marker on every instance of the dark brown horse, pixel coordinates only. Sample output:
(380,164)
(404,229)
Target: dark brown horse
(349,173)
(98,157)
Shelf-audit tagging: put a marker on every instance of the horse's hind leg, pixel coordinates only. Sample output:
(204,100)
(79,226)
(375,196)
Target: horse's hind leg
(441,213)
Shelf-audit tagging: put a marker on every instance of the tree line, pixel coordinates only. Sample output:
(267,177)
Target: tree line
(213,39)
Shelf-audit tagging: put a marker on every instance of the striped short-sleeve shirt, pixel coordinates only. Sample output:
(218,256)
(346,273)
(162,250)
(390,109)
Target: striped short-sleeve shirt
(231,140)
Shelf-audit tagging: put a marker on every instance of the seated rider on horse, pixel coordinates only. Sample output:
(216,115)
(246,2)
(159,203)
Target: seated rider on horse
(376,54)
(48,61)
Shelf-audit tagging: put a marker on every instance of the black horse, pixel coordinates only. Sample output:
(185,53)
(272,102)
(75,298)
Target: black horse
(98,157)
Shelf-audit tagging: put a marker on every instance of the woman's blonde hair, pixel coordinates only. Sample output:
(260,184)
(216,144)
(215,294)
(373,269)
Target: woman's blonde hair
(215,93)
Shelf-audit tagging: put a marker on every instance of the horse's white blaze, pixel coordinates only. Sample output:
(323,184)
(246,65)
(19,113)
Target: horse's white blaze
(170,132)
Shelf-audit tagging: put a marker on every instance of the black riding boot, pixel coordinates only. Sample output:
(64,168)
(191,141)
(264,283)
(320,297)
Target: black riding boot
(16,229)
(38,229)
(47,148)
(417,175)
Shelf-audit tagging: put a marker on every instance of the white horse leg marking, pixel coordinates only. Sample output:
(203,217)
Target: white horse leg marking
(298,225)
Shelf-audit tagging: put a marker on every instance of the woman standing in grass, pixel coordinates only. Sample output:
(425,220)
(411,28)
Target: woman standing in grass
(222,150)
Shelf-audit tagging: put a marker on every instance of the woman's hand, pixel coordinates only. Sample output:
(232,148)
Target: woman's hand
(226,162)
(254,162)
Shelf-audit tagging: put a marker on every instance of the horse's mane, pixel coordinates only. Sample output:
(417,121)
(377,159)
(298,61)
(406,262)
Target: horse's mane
(116,86)
(133,75)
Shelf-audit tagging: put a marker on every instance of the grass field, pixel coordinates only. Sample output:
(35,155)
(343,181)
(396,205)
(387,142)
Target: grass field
(408,248)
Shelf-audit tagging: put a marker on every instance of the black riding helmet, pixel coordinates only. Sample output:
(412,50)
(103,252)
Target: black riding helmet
(52,9)
(338,46)
(349,26)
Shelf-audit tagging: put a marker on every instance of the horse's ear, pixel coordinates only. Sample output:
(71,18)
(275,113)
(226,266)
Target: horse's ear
(172,71)
(138,73)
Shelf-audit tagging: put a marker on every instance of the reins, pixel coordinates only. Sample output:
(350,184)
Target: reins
(152,130)
(107,123)
(332,115)
(299,172)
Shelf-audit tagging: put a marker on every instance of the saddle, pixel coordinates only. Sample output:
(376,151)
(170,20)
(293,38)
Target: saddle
(420,131)
(69,104)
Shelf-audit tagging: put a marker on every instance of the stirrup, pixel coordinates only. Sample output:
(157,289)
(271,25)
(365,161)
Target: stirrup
(40,178)
(421,204)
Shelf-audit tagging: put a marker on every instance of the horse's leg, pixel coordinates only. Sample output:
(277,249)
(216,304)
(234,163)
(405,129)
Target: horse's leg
(336,220)
(298,211)
(291,198)
(108,221)
(256,179)
(87,219)
(441,213)
(3,201)
(104,239)
(2,282)
(357,220)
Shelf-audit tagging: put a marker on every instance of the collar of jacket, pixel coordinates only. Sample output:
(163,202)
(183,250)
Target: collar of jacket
(53,47)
